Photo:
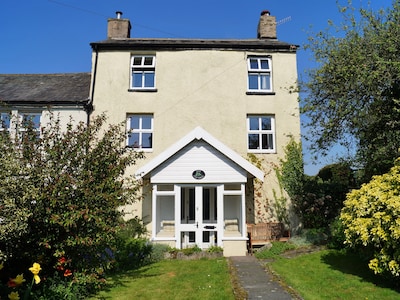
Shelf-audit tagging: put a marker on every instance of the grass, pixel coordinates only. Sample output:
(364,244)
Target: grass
(331,274)
(173,279)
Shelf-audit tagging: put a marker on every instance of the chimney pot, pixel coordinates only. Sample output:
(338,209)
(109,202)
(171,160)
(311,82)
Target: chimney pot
(119,14)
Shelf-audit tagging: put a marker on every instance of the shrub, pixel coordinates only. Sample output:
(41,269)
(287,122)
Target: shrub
(191,250)
(337,237)
(158,252)
(371,218)
(133,253)
(73,182)
(277,249)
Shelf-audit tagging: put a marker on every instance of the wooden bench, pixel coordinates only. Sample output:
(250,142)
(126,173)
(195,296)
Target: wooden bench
(263,233)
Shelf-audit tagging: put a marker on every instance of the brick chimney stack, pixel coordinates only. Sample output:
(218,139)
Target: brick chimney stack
(266,26)
(119,28)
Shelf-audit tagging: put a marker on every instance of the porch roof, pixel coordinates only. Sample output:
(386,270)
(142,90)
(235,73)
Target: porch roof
(200,134)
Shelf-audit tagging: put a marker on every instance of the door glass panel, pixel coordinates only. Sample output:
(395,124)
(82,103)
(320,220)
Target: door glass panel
(206,236)
(192,205)
(192,237)
(206,204)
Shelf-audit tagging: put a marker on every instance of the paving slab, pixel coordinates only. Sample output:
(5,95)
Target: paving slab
(257,281)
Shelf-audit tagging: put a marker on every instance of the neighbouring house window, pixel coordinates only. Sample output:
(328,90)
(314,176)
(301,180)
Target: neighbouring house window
(29,121)
(261,134)
(259,74)
(140,131)
(143,72)
(5,121)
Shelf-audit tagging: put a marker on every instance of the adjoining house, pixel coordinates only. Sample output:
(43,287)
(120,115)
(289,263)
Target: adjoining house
(34,97)
(212,116)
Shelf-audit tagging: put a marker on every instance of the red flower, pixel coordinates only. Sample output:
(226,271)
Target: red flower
(11,283)
(62,260)
(67,273)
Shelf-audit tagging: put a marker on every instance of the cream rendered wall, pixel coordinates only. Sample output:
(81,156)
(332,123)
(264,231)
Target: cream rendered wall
(65,115)
(204,88)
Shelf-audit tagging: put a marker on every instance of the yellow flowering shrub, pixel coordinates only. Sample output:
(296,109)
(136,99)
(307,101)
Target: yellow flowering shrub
(371,218)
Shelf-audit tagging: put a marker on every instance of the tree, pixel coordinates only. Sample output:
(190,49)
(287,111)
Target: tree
(70,185)
(371,218)
(352,96)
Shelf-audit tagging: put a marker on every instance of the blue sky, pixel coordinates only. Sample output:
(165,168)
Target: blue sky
(53,36)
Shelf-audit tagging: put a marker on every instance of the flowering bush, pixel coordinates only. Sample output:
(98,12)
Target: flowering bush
(371,218)
(15,286)
(59,199)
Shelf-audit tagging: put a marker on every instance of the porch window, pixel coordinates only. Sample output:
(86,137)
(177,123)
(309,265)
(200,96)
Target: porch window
(261,134)
(165,226)
(140,132)
(232,215)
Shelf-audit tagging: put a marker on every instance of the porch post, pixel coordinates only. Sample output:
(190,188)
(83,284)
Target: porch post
(154,211)
(178,235)
(220,214)
(243,209)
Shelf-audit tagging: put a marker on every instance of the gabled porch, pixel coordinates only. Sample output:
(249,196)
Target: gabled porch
(198,194)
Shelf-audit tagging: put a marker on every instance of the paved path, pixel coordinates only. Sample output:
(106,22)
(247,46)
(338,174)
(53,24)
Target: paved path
(257,281)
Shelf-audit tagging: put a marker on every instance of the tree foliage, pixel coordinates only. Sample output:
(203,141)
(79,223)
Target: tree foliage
(60,194)
(371,218)
(352,96)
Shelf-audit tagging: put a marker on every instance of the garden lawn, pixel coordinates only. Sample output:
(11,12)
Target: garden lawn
(331,274)
(174,280)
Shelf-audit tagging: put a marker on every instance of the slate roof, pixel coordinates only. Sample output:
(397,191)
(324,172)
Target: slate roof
(185,44)
(45,89)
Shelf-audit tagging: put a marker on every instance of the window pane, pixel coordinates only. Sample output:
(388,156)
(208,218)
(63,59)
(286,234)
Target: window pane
(253,64)
(134,122)
(5,120)
(146,122)
(149,79)
(31,121)
(133,140)
(253,81)
(266,123)
(253,123)
(265,64)
(265,82)
(137,79)
(148,61)
(254,141)
(147,140)
(267,141)
(137,61)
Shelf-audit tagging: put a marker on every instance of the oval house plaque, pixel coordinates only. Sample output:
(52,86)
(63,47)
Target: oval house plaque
(198,174)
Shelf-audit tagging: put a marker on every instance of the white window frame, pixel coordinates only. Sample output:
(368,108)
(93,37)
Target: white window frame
(260,132)
(263,74)
(140,131)
(142,70)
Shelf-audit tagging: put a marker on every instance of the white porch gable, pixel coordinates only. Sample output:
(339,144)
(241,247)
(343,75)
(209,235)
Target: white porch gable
(199,150)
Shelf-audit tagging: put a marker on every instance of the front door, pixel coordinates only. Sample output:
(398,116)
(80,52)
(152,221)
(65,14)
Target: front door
(198,224)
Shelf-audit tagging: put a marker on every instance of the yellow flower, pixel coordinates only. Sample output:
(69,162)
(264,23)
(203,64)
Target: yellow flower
(35,269)
(1,265)
(19,279)
(13,296)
